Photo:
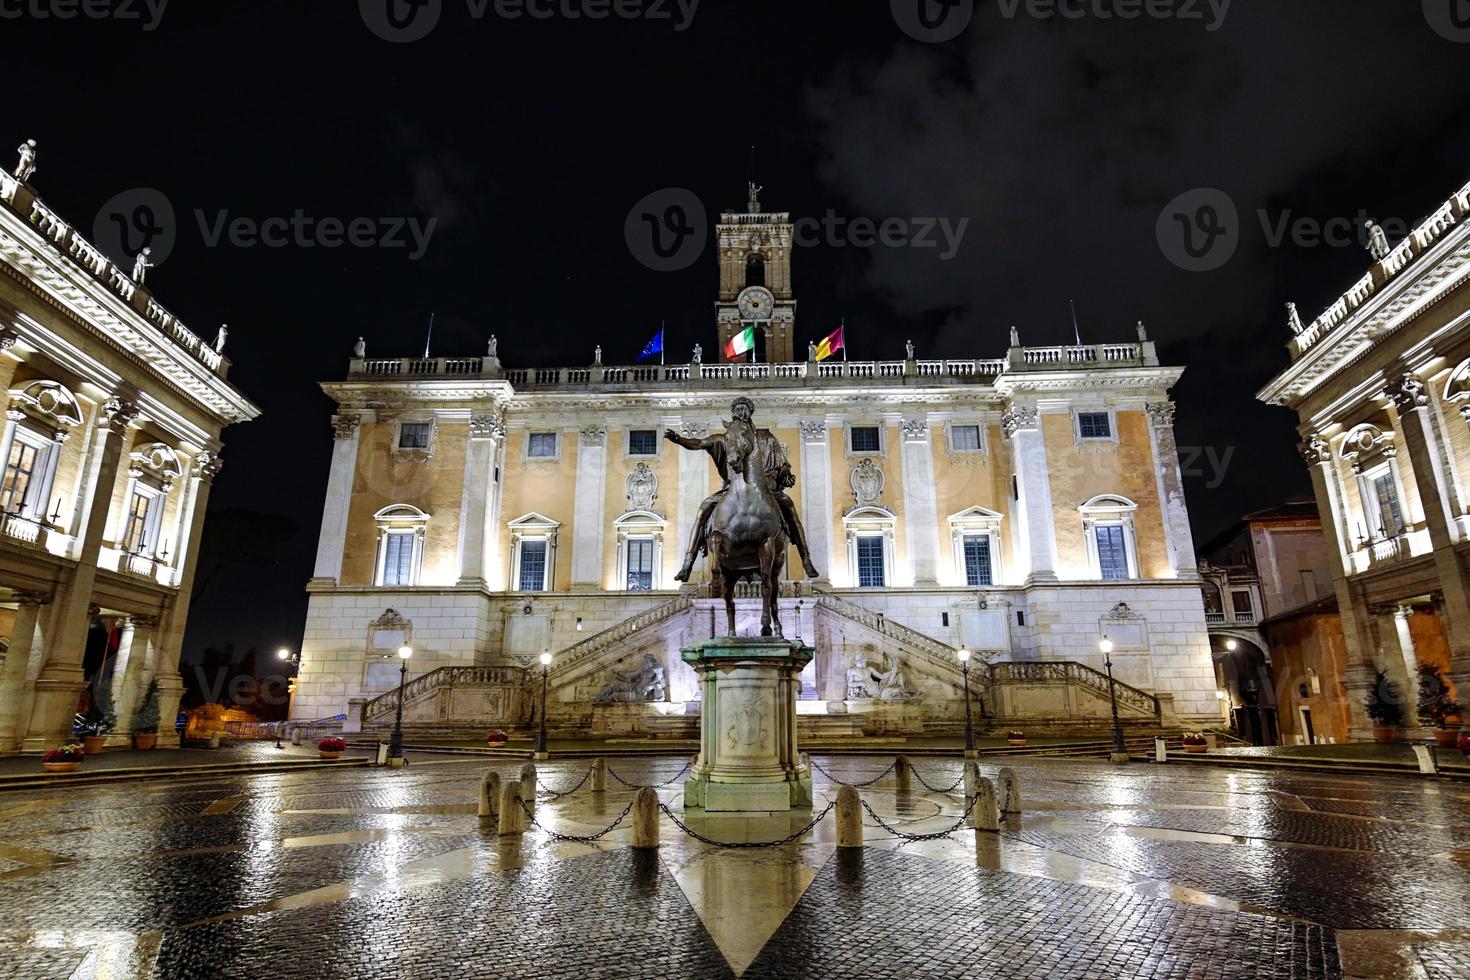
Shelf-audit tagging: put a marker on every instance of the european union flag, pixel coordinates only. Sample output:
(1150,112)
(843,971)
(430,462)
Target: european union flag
(653,347)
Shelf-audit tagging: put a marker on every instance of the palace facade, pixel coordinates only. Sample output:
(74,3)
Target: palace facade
(1381,385)
(1022,506)
(111,441)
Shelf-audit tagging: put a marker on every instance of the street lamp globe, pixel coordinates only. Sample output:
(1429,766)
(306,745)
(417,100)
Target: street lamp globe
(1231,645)
(283,654)
(1105,645)
(546,660)
(964,655)
(405,651)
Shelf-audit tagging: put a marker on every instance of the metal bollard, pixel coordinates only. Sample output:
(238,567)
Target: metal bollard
(599,775)
(489,795)
(849,818)
(903,774)
(512,817)
(1009,790)
(645,820)
(985,814)
(528,784)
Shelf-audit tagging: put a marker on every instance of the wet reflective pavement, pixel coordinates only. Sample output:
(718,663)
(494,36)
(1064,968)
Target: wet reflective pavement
(1143,871)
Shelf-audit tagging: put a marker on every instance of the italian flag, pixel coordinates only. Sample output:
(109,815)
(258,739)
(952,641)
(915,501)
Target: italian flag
(742,343)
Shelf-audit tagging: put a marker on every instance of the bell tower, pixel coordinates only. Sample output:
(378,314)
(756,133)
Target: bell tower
(755,280)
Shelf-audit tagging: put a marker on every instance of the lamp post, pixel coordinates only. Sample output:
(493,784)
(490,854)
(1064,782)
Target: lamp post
(395,743)
(541,752)
(292,660)
(1120,751)
(970,752)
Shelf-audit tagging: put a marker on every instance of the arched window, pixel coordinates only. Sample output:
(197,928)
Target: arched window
(401,530)
(1214,604)
(1107,522)
(755,269)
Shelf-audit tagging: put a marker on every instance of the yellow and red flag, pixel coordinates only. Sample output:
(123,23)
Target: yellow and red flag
(831,344)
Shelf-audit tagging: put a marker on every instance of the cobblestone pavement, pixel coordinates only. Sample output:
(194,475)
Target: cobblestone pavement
(1141,871)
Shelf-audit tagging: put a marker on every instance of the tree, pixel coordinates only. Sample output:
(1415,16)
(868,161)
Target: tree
(1435,704)
(101,717)
(1383,703)
(146,718)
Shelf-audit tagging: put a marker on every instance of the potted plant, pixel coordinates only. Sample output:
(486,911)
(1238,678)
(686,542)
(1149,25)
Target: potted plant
(1465,742)
(497,738)
(1017,739)
(1384,709)
(331,748)
(1436,707)
(68,758)
(100,719)
(1196,742)
(146,719)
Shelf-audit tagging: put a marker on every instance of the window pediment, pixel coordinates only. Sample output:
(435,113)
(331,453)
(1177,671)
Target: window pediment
(977,516)
(158,460)
(1457,388)
(1363,442)
(51,400)
(401,514)
(1108,503)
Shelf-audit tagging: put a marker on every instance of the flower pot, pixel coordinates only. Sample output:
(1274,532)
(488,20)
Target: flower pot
(1465,742)
(144,741)
(1446,738)
(94,743)
(1202,747)
(496,745)
(329,756)
(1385,733)
(1017,742)
(61,766)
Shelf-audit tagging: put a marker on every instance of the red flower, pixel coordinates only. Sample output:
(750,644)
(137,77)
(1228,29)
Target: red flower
(332,745)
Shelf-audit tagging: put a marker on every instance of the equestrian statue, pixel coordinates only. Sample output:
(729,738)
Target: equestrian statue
(746,525)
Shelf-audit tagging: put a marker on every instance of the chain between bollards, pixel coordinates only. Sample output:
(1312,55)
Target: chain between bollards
(822,769)
(745,845)
(661,785)
(936,835)
(575,838)
(558,793)
(935,789)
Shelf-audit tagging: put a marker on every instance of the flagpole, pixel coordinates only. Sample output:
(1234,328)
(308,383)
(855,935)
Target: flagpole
(430,337)
(1076,328)
(662,325)
(844,340)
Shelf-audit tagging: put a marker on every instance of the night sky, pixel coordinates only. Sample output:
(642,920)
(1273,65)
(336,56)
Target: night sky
(527,141)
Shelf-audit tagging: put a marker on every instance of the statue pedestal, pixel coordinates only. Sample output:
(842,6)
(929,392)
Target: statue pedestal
(747,732)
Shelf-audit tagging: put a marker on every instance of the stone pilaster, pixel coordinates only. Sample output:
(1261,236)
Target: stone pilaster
(1171,488)
(346,432)
(15,689)
(694,471)
(1034,532)
(480,500)
(816,494)
(587,521)
(920,509)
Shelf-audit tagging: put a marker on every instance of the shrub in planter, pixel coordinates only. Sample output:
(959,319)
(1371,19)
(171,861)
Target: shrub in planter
(1016,738)
(146,718)
(331,748)
(1436,707)
(1385,709)
(101,717)
(67,758)
(496,738)
(1196,742)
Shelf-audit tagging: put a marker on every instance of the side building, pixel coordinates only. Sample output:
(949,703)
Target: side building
(111,441)
(1381,385)
(1023,507)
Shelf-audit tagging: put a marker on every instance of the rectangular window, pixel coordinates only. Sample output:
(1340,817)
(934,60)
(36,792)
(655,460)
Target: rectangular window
(542,445)
(533,566)
(1094,425)
(640,564)
(964,438)
(414,435)
(136,531)
(870,562)
(398,559)
(1390,517)
(18,472)
(864,439)
(1240,601)
(1112,551)
(977,560)
(642,442)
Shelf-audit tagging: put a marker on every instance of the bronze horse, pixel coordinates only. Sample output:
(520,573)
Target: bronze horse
(745,534)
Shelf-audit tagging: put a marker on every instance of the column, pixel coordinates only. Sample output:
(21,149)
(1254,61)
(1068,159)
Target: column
(816,495)
(694,470)
(7,440)
(1412,400)
(1401,614)
(127,670)
(587,521)
(1357,627)
(1171,488)
(919,506)
(170,629)
(480,489)
(61,680)
(1035,532)
(14,693)
(42,499)
(346,430)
